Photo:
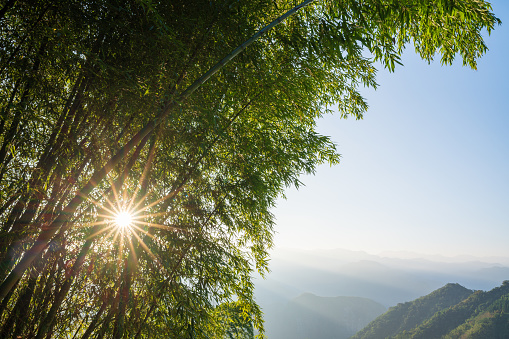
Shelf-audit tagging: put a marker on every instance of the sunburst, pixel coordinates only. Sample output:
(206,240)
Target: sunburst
(123,219)
(125,222)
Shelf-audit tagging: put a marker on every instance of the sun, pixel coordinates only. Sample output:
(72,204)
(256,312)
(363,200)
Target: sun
(123,219)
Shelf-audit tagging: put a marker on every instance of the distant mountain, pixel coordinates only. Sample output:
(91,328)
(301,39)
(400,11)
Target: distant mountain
(449,312)
(313,317)
(364,278)
(358,274)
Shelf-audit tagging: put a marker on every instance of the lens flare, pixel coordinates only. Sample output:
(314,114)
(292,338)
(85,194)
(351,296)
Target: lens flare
(123,219)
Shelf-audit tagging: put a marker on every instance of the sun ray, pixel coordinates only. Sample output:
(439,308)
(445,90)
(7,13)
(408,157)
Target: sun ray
(133,198)
(152,255)
(143,177)
(94,223)
(100,231)
(124,196)
(114,191)
(113,230)
(143,231)
(135,208)
(133,251)
(98,204)
(108,217)
(120,251)
(168,196)
(143,216)
(166,227)
(116,234)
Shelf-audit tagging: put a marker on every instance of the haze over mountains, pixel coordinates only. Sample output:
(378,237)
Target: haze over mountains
(385,280)
(311,316)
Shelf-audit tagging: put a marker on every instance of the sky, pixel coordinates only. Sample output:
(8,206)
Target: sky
(426,170)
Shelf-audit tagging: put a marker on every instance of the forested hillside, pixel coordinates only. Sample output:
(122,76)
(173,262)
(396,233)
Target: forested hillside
(407,316)
(450,312)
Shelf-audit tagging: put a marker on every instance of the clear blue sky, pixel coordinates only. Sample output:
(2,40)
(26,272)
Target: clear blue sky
(427,170)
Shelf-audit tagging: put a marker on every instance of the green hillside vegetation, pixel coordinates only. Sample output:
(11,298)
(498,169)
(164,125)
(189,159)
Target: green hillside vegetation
(493,325)
(478,315)
(311,316)
(475,310)
(407,316)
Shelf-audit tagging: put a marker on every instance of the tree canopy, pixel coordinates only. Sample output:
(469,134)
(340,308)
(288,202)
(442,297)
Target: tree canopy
(192,117)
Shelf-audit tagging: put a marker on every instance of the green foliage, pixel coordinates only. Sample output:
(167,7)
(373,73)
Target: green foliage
(232,321)
(104,107)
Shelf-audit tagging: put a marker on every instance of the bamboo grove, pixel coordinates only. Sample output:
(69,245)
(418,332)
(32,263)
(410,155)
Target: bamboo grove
(109,107)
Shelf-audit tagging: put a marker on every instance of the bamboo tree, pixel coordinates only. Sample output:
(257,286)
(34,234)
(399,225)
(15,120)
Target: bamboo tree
(98,176)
